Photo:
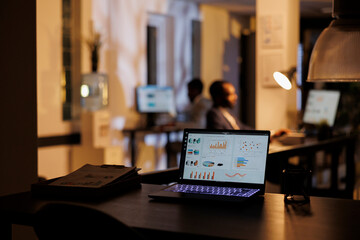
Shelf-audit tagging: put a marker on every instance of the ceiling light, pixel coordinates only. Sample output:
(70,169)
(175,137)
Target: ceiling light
(336,54)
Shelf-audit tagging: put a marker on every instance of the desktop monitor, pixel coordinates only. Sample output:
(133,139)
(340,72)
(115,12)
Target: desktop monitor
(155,99)
(321,105)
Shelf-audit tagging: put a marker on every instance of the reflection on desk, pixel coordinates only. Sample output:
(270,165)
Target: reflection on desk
(322,218)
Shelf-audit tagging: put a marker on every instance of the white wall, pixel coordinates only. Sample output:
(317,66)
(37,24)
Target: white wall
(215,32)
(277,38)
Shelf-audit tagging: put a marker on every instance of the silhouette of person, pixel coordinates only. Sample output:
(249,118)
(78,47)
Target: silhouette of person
(199,105)
(224,98)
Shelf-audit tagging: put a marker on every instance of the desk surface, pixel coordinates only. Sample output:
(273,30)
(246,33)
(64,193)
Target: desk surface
(323,218)
(312,143)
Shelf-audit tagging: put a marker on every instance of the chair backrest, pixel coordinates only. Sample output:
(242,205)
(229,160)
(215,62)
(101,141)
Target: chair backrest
(68,221)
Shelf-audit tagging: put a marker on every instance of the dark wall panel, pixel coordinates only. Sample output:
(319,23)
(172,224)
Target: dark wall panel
(18,121)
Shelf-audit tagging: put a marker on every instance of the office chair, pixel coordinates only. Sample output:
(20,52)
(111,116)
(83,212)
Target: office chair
(68,221)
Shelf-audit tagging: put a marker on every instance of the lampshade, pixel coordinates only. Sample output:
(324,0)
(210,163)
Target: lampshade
(336,54)
(284,78)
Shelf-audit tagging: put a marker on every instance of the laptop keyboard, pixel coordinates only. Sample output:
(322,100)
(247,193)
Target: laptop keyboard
(213,190)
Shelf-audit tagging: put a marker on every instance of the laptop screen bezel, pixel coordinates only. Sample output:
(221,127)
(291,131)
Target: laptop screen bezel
(221,183)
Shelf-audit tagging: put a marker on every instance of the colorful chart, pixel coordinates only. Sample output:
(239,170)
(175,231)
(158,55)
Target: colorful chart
(202,175)
(249,146)
(208,164)
(241,162)
(218,145)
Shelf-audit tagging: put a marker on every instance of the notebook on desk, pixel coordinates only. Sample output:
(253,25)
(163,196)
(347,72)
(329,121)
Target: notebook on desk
(220,165)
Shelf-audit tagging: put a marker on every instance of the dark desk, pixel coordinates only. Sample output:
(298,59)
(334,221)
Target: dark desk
(155,130)
(323,218)
(336,147)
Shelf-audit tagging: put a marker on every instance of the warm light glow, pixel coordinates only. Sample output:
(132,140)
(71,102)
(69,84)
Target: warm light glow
(282,80)
(84,90)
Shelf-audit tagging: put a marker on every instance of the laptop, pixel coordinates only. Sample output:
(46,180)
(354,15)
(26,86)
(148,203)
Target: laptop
(226,165)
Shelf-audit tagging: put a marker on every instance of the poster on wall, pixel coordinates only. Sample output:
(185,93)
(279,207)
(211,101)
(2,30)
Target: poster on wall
(268,65)
(271,32)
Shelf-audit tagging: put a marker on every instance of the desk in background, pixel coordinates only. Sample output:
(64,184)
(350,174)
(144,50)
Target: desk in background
(334,148)
(132,132)
(322,218)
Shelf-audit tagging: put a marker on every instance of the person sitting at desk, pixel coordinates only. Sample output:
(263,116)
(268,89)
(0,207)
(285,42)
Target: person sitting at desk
(199,105)
(224,97)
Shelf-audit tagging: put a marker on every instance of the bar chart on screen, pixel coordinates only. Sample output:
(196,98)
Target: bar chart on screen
(216,147)
(203,175)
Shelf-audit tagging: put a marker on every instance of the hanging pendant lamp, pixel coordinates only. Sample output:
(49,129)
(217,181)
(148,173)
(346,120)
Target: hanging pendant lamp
(336,54)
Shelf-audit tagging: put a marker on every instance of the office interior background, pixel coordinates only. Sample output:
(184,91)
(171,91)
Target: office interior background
(210,51)
(207,39)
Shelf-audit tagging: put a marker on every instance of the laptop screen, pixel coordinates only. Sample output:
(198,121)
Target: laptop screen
(224,156)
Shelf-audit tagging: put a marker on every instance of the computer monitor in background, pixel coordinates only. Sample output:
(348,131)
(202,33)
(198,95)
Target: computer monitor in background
(321,105)
(152,100)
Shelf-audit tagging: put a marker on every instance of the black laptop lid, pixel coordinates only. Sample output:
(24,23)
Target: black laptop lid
(224,157)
